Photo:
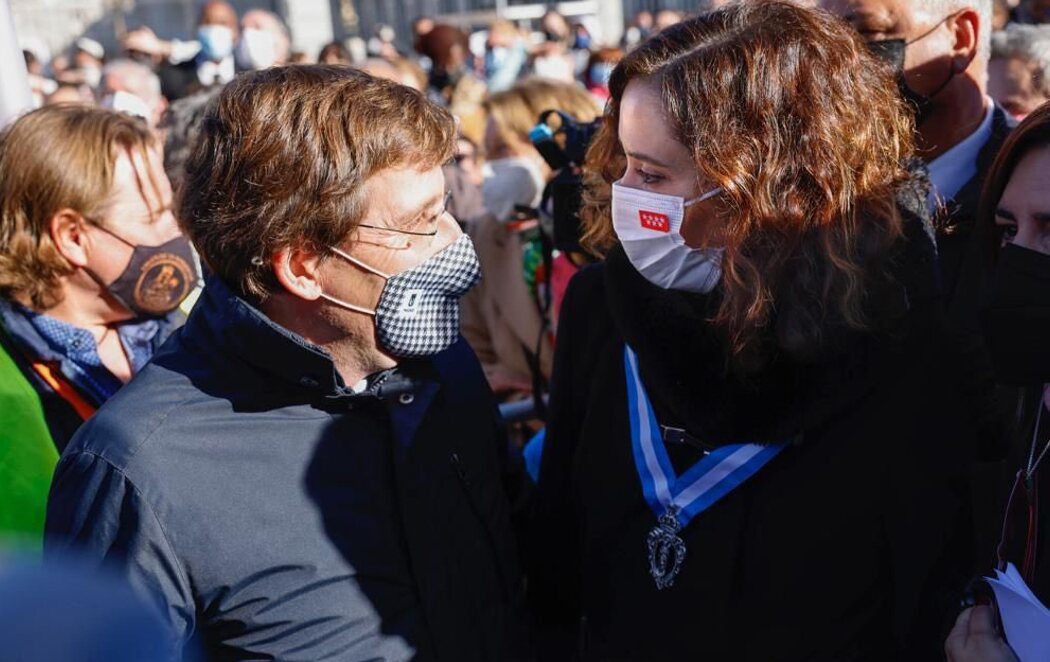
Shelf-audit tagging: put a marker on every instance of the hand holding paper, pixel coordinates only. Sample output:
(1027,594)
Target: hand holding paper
(1026,620)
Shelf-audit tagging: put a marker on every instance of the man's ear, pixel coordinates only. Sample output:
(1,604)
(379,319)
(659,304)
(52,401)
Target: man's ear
(968,29)
(298,272)
(66,229)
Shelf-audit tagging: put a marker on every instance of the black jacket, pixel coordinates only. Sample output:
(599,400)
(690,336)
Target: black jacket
(275,514)
(955,224)
(844,547)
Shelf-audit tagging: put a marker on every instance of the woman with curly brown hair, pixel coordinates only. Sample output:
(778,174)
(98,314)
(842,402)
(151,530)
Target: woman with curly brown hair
(754,446)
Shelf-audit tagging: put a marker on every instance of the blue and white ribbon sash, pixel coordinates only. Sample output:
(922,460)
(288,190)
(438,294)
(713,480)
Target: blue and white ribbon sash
(714,476)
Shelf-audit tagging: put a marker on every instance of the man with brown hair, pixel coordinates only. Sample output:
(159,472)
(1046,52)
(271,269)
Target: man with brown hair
(310,468)
(92,270)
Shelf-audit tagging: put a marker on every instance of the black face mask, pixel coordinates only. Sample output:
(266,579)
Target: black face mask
(1017,317)
(157,278)
(893,51)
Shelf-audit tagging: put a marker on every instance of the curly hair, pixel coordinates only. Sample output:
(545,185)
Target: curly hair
(785,109)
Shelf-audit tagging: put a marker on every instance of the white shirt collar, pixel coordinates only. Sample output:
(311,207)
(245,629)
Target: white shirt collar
(950,171)
(209,73)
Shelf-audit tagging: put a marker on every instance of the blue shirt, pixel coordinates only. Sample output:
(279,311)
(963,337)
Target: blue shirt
(45,338)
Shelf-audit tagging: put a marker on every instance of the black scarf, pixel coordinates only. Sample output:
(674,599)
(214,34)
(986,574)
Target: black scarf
(685,365)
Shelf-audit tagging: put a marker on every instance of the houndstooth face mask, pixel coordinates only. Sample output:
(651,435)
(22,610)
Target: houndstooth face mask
(418,310)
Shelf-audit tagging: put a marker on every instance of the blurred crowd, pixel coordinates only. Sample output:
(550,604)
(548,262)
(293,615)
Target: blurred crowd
(495,80)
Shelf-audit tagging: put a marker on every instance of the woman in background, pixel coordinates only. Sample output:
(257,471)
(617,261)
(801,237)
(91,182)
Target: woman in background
(1014,235)
(505,318)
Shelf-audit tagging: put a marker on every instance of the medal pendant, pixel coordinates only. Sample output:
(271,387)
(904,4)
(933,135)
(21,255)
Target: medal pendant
(666,549)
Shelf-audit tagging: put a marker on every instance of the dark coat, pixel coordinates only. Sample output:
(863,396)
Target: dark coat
(178,80)
(1015,316)
(992,495)
(844,547)
(275,514)
(955,224)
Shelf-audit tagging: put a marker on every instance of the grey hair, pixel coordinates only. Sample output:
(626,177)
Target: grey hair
(138,79)
(944,8)
(1030,43)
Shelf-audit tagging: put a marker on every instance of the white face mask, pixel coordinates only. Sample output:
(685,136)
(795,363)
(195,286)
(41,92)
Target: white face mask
(649,228)
(255,50)
(509,182)
(92,75)
(127,102)
(216,41)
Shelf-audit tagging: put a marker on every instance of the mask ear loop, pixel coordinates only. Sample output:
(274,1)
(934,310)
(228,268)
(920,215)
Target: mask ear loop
(358,263)
(353,260)
(954,70)
(349,306)
(703,196)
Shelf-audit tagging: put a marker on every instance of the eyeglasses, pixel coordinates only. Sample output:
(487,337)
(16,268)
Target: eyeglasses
(411,233)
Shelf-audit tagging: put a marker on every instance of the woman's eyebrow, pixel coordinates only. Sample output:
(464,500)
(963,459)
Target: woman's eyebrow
(648,159)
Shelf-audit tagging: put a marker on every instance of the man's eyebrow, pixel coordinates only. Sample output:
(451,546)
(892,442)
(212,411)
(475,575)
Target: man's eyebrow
(417,214)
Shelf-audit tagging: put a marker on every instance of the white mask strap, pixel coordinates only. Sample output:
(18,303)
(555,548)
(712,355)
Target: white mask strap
(353,260)
(349,306)
(706,196)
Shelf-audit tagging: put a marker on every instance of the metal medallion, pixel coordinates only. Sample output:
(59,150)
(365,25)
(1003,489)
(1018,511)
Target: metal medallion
(666,549)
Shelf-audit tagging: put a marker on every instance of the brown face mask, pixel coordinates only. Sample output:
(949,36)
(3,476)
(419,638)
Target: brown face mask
(157,278)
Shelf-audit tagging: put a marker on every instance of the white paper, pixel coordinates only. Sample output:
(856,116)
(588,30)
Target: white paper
(1025,619)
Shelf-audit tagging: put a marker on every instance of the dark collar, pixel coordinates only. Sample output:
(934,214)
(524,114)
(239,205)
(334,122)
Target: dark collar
(225,323)
(20,327)
(684,361)
(25,335)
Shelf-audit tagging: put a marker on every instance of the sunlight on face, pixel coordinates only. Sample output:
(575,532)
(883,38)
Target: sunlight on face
(658,162)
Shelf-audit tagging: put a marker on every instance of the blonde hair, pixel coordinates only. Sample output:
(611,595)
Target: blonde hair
(516,111)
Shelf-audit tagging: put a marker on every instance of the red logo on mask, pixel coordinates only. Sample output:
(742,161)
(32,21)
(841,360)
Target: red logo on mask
(652,220)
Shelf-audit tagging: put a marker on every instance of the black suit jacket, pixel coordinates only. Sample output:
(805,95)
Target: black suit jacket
(955,223)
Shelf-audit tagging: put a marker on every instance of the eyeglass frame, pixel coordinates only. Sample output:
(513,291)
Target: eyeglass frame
(411,233)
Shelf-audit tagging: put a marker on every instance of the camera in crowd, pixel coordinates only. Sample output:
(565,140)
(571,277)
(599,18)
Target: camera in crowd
(563,145)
